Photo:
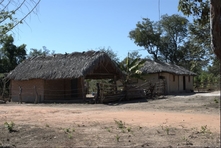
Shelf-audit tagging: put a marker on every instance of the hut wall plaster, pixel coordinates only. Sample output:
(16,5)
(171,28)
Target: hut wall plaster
(57,89)
(174,82)
(28,90)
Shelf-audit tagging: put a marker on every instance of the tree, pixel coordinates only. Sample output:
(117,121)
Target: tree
(41,52)
(147,35)
(162,39)
(110,53)
(11,55)
(135,55)
(131,67)
(196,49)
(14,12)
(203,12)
(174,31)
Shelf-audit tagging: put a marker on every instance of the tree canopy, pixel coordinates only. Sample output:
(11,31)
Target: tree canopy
(10,54)
(40,52)
(205,11)
(168,40)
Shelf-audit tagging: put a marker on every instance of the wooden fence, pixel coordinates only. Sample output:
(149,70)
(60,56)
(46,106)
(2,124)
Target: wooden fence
(206,86)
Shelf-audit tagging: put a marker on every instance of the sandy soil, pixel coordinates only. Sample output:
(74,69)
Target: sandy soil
(170,121)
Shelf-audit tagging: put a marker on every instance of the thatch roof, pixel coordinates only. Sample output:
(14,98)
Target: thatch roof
(156,67)
(64,66)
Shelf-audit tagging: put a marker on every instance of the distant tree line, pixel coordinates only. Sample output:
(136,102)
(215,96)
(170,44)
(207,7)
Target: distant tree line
(12,55)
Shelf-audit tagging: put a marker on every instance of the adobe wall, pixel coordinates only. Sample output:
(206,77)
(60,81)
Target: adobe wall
(62,89)
(57,89)
(174,83)
(28,91)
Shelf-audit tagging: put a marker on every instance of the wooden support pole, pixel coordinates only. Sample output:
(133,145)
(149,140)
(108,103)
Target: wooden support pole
(4,88)
(20,94)
(115,83)
(101,93)
(36,95)
(83,89)
(97,99)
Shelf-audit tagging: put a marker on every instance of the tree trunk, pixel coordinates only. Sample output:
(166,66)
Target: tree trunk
(215,26)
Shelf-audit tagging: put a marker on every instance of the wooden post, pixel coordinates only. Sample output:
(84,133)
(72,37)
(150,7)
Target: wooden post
(20,94)
(83,89)
(3,91)
(101,93)
(115,83)
(97,99)
(36,95)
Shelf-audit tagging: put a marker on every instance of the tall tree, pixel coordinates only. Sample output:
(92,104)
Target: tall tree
(203,11)
(174,30)
(135,55)
(110,53)
(147,35)
(162,39)
(11,55)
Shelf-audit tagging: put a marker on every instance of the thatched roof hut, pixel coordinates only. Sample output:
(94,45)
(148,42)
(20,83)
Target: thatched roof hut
(158,67)
(60,76)
(167,78)
(62,66)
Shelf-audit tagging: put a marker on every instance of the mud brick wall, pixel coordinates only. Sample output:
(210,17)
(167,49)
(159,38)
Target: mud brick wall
(28,90)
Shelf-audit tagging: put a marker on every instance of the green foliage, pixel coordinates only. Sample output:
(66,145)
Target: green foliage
(174,40)
(129,129)
(135,55)
(108,130)
(198,8)
(13,13)
(69,132)
(11,55)
(163,39)
(207,80)
(147,35)
(214,68)
(117,138)
(70,136)
(10,126)
(205,11)
(131,67)
(187,141)
(166,129)
(174,30)
(216,101)
(41,52)
(120,124)
(110,53)
(205,130)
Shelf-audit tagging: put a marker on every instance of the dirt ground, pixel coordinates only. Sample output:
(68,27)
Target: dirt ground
(187,120)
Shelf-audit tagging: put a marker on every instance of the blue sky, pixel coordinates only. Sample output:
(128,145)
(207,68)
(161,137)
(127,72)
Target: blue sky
(81,25)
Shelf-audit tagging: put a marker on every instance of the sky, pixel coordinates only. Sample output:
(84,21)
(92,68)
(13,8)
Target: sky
(82,25)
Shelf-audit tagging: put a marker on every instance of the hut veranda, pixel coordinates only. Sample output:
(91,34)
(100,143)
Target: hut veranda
(60,77)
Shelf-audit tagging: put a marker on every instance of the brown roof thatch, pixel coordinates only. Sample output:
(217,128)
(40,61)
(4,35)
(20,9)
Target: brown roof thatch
(90,64)
(155,67)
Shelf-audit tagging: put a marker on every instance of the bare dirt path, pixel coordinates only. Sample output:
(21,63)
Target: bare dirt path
(180,112)
(61,117)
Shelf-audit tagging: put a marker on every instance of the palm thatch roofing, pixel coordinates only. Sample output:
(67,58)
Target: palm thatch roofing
(90,64)
(156,67)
